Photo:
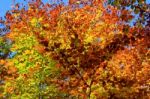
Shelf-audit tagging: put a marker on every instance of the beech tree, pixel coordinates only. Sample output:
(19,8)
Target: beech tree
(84,49)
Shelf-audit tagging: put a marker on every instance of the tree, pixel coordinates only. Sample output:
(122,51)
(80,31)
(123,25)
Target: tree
(5,52)
(84,49)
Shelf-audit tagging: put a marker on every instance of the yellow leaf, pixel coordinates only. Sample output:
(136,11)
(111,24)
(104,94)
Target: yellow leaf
(27,52)
(2,62)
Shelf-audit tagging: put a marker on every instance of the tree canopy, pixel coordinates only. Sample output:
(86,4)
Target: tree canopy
(85,49)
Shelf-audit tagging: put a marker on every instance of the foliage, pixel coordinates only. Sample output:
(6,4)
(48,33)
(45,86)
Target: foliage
(4,48)
(138,7)
(85,49)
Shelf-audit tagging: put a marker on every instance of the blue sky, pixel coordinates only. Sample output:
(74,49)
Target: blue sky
(5,5)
